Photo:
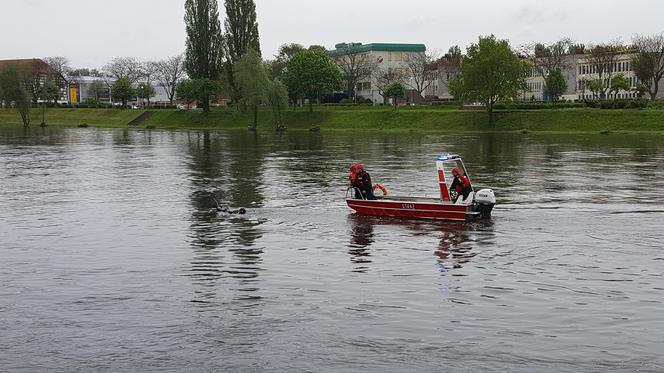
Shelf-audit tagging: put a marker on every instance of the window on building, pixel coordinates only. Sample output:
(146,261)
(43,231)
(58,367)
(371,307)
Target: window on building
(366,86)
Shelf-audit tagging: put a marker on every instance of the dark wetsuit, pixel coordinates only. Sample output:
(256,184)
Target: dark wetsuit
(363,185)
(461,185)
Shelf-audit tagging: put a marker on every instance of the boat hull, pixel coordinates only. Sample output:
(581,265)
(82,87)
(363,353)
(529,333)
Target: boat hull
(413,208)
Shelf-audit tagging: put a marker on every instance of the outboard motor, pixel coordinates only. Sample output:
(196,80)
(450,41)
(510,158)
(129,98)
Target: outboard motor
(485,199)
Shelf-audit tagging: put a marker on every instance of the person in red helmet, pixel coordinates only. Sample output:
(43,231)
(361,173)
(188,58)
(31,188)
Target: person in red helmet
(460,185)
(361,182)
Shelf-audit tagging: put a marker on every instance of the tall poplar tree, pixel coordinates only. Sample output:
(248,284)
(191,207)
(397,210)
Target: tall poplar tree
(205,43)
(241,36)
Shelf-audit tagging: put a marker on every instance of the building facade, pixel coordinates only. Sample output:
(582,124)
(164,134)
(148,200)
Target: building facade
(580,69)
(384,62)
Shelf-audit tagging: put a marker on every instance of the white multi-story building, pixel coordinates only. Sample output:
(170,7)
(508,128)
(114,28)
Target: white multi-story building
(579,69)
(382,58)
(587,70)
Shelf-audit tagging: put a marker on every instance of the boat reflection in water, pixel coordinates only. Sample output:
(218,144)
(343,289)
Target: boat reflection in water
(455,247)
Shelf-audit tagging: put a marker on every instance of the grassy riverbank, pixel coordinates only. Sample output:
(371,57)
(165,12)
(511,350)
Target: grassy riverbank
(424,119)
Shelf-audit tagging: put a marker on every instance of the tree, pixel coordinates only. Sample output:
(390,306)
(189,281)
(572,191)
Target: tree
(492,71)
(187,91)
(241,37)
(602,59)
(127,68)
(546,59)
(59,64)
(383,78)
(641,90)
(619,83)
(150,69)
(555,84)
(277,98)
(48,91)
(201,90)
(649,62)
(277,67)
(123,91)
(457,89)
(395,91)
(355,65)
(421,70)
(204,53)
(95,89)
(169,73)
(449,67)
(252,82)
(596,86)
(310,73)
(145,91)
(454,51)
(15,90)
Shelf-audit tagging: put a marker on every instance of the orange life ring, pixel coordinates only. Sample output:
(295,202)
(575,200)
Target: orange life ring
(382,188)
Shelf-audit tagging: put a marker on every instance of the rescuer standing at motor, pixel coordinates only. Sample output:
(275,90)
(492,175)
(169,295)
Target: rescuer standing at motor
(460,185)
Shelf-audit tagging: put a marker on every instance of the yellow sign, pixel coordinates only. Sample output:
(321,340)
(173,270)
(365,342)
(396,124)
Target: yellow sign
(73,94)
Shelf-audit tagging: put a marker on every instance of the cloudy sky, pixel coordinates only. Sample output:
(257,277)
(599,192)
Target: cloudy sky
(91,32)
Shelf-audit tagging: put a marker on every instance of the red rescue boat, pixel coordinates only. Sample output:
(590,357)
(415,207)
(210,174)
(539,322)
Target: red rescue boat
(478,205)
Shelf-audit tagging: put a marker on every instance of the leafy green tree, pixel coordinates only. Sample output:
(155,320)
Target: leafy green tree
(241,37)
(619,83)
(204,45)
(277,98)
(394,91)
(641,90)
(96,89)
(454,51)
(310,73)
(197,90)
(123,91)
(145,91)
(48,91)
(596,86)
(187,91)
(555,84)
(492,71)
(15,89)
(458,89)
(277,67)
(252,81)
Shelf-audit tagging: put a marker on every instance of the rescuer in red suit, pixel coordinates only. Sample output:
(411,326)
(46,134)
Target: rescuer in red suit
(460,185)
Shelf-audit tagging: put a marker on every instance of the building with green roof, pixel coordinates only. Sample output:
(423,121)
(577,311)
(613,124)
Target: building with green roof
(371,63)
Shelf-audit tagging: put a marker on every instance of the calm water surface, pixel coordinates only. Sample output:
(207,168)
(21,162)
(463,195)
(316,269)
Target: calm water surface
(111,260)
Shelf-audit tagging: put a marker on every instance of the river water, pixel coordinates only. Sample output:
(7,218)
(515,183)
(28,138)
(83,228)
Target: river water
(112,260)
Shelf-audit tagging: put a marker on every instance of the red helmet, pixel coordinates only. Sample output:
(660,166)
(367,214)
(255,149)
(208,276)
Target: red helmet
(455,171)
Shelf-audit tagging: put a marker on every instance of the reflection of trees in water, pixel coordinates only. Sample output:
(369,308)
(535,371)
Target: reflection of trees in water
(230,169)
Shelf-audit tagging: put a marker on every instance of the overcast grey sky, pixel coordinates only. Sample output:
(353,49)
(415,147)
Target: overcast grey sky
(91,32)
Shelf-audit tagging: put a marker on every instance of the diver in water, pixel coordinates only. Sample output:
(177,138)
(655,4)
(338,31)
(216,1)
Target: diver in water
(226,210)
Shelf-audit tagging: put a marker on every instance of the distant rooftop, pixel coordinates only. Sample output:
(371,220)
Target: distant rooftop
(345,48)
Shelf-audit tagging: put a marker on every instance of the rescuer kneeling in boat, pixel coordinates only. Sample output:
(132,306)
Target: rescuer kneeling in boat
(361,182)
(460,185)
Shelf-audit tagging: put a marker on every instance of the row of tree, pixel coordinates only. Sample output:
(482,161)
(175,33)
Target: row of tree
(492,71)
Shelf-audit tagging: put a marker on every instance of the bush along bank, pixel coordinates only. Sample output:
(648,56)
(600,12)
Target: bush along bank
(595,104)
